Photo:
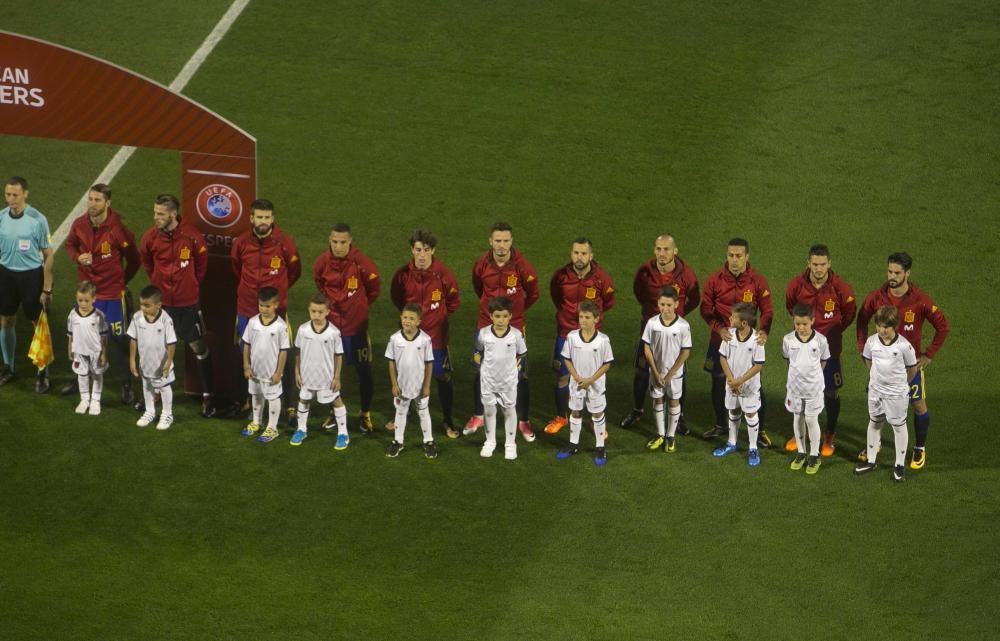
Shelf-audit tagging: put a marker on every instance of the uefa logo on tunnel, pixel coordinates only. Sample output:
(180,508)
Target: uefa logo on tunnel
(219,206)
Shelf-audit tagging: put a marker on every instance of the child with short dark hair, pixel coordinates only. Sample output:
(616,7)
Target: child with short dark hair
(500,348)
(318,363)
(87,346)
(666,345)
(588,357)
(892,363)
(265,350)
(411,362)
(154,341)
(742,359)
(807,352)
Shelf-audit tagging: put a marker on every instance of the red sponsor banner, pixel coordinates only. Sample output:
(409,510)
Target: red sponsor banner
(50,91)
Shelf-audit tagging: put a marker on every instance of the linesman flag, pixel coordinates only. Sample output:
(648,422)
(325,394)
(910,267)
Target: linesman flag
(41,352)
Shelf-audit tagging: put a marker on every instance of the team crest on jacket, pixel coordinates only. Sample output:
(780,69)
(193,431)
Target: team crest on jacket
(275,262)
(185,253)
(829,306)
(512,281)
(436,295)
(748,296)
(219,206)
(352,283)
(909,316)
(591,293)
(105,248)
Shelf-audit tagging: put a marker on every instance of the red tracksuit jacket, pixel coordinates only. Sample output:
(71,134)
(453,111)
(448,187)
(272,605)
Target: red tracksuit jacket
(517,279)
(435,289)
(723,290)
(272,261)
(176,262)
(568,290)
(833,306)
(352,284)
(115,254)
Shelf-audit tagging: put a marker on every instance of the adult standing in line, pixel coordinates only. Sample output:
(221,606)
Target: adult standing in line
(578,280)
(175,258)
(351,282)
(26,259)
(914,308)
(264,256)
(736,282)
(834,308)
(105,254)
(665,269)
(504,271)
(427,282)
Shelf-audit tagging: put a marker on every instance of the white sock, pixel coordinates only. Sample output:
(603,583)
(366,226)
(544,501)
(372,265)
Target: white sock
(424,412)
(902,439)
(812,422)
(273,410)
(340,415)
(734,428)
(402,409)
(874,439)
(658,418)
(510,425)
(167,399)
(257,405)
(673,418)
(84,382)
(800,445)
(600,423)
(148,397)
(97,388)
(490,418)
(302,415)
(575,427)
(753,425)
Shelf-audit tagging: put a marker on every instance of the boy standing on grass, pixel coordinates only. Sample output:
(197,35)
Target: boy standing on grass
(318,364)
(741,359)
(265,350)
(892,364)
(154,341)
(87,346)
(411,364)
(500,347)
(666,346)
(807,352)
(587,355)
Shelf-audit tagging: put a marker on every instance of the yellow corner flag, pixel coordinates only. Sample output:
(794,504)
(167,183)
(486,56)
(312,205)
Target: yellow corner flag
(41,352)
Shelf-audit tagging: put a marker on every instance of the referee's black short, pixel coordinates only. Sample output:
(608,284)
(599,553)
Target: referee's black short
(21,289)
(188,322)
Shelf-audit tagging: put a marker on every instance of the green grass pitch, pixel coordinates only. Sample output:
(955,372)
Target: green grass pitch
(868,126)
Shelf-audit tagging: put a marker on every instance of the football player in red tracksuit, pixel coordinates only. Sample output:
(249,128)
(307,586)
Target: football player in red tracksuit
(665,268)
(351,281)
(175,258)
(914,308)
(504,271)
(578,280)
(736,282)
(834,308)
(264,256)
(426,281)
(105,254)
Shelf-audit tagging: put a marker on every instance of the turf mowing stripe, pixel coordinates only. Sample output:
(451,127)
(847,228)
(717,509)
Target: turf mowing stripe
(187,72)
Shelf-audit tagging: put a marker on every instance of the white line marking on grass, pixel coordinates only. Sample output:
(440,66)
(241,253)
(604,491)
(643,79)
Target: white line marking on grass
(185,75)
(203,172)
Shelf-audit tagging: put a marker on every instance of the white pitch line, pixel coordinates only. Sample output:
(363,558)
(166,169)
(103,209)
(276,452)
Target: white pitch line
(185,75)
